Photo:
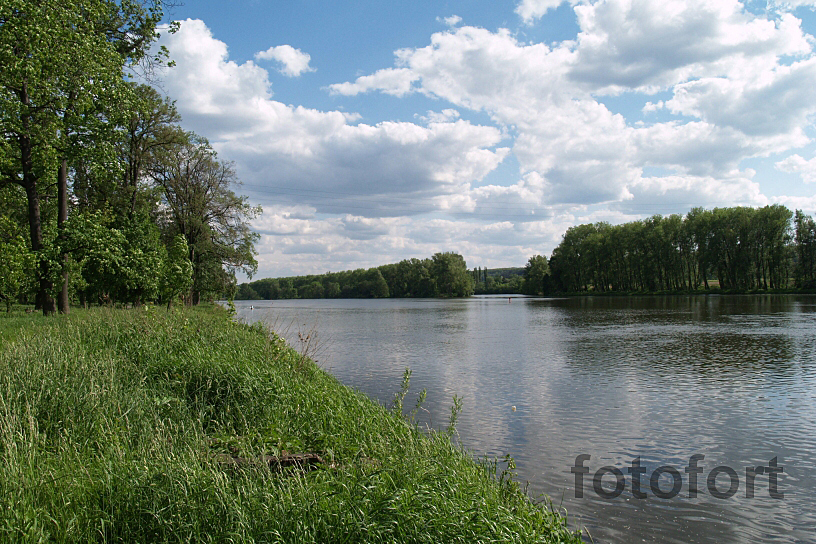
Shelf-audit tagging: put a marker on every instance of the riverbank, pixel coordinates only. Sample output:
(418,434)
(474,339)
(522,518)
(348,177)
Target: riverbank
(148,425)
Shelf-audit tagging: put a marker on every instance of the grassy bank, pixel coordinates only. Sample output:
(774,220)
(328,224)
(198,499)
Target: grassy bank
(152,426)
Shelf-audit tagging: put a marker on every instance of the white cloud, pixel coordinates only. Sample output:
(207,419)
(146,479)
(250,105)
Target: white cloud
(293,154)
(732,95)
(453,20)
(652,107)
(773,102)
(732,86)
(805,203)
(694,148)
(395,81)
(444,116)
(795,164)
(204,79)
(293,61)
(792,4)
(647,45)
(529,10)
(678,194)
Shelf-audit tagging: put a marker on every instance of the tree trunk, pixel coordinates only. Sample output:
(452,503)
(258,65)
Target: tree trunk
(29,183)
(62,215)
(44,299)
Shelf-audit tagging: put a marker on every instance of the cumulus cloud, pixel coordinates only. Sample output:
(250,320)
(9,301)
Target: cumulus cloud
(678,194)
(293,61)
(732,85)
(529,10)
(792,4)
(444,116)
(732,95)
(747,103)
(646,45)
(651,107)
(795,164)
(395,81)
(300,155)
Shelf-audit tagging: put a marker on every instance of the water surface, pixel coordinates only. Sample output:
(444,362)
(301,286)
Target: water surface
(659,378)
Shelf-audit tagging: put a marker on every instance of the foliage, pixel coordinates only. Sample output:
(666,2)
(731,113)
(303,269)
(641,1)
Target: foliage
(15,262)
(805,236)
(68,114)
(62,80)
(177,273)
(536,276)
(444,275)
(450,275)
(743,248)
(110,264)
(498,281)
(201,206)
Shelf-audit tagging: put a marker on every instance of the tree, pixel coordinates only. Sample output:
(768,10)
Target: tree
(111,264)
(150,128)
(62,72)
(15,261)
(374,285)
(536,274)
(177,273)
(450,274)
(805,237)
(200,205)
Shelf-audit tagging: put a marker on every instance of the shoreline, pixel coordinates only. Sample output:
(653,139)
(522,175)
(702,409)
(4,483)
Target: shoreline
(153,424)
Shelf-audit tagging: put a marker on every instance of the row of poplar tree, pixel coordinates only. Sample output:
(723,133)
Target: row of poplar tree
(740,248)
(103,197)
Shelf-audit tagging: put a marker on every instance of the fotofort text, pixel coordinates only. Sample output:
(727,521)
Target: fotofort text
(727,476)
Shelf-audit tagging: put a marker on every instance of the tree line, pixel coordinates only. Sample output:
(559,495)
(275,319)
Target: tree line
(498,281)
(732,249)
(443,275)
(737,248)
(103,197)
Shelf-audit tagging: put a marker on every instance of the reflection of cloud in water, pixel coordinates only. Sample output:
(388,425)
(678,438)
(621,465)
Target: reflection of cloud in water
(661,378)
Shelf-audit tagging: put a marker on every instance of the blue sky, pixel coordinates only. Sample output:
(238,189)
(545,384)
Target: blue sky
(371,132)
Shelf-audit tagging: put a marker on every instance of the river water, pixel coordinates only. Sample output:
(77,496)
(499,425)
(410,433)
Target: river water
(659,379)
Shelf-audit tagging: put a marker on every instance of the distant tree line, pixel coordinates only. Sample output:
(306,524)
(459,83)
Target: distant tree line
(498,281)
(443,275)
(103,197)
(739,248)
(731,249)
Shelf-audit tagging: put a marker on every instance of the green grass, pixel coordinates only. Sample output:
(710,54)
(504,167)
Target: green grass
(16,321)
(112,422)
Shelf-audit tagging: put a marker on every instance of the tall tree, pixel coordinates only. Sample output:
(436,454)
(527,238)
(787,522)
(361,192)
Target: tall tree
(805,236)
(536,274)
(201,206)
(150,128)
(450,274)
(62,67)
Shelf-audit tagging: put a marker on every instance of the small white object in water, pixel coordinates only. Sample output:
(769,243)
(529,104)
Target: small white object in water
(513,408)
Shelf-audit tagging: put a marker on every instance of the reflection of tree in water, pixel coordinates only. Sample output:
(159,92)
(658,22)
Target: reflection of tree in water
(708,337)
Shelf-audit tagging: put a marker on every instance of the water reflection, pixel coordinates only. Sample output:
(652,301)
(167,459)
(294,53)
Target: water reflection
(660,378)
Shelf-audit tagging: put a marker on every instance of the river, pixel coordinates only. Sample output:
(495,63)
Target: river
(635,383)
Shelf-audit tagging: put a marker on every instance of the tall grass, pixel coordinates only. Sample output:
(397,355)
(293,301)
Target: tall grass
(114,426)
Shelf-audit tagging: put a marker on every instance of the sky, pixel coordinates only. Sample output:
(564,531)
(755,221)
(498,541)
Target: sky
(372,132)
